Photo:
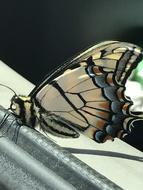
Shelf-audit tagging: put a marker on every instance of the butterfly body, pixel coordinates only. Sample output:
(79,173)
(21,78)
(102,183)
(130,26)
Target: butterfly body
(85,95)
(23,108)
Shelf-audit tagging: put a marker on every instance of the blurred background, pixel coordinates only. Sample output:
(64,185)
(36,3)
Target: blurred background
(37,36)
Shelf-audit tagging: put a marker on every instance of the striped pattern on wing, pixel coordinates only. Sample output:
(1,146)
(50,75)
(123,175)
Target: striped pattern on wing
(118,57)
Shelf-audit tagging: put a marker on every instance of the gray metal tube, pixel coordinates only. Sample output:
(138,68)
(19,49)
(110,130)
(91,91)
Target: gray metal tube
(44,158)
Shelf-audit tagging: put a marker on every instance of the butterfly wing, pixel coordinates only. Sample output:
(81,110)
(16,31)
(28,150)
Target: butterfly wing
(118,57)
(87,94)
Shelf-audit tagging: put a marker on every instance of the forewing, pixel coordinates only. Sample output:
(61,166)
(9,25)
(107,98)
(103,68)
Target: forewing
(113,56)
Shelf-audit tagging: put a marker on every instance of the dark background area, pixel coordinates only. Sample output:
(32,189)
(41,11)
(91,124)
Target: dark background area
(37,36)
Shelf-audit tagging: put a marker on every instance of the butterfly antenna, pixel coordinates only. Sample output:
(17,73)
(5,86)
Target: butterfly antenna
(8,88)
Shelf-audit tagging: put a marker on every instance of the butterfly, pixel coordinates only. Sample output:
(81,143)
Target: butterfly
(85,95)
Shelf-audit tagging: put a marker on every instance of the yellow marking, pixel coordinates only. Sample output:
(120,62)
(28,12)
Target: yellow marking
(108,69)
(83,64)
(17,110)
(25,98)
(83,76)
(97,55)
(115,56)
(27,106)
(137,50)
(120,50)
(107,63)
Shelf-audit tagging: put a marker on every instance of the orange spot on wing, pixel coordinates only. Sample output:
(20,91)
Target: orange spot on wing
(100,124)
(110,79)
(108,137)
(97,70)
(105,105)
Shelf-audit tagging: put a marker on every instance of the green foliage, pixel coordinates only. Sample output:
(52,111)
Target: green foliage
(137,74)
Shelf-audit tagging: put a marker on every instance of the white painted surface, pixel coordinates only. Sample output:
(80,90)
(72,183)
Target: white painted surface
(116,160)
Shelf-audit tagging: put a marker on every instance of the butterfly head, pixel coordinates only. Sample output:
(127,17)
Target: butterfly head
(22,107)
(18,103)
